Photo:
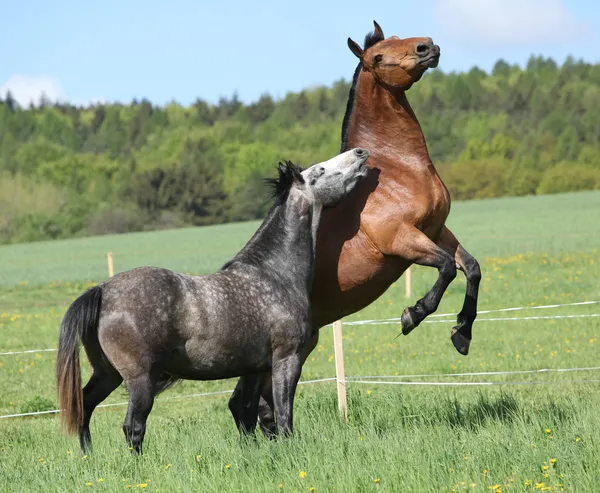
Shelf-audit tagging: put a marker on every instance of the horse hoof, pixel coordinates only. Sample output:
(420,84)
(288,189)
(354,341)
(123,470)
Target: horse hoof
(407,322)
(461,343)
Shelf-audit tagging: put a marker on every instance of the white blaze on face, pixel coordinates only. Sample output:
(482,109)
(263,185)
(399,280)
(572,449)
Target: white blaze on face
(343,163)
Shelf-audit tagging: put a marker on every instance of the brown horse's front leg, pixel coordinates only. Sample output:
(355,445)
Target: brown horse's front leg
(416,247)
(463,333)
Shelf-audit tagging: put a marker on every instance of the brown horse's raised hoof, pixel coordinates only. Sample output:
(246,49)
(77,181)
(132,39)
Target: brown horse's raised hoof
(461,343)
(407,322)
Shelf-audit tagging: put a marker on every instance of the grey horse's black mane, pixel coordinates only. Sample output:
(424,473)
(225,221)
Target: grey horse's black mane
(371,39)
(259,246)
(289,173)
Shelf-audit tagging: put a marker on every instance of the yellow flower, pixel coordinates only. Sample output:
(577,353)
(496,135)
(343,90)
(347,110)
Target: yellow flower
(198,457)
(84,457)
(100,480)
(544,468)
(88,484)
(280,486)
(227,466)
(311,489)
(377,480)
(168,466)
(552,460)
(548,430)
(143,485)
(578,439)
(302,474)
(527,482)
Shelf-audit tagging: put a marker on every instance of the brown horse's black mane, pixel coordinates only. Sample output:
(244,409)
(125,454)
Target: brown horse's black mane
(289,173)
(371,39)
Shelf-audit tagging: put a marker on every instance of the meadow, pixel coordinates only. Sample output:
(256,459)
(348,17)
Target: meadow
(531,432)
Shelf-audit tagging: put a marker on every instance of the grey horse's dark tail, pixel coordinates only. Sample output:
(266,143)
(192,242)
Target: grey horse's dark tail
(80,322)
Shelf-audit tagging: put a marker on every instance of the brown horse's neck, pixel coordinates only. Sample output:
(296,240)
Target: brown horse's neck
(383,121)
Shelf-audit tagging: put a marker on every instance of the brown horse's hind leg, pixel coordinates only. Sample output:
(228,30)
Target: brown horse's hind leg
(99,387)
(243,403)
(419,249)
(462,332)
(141,399)
(266,408)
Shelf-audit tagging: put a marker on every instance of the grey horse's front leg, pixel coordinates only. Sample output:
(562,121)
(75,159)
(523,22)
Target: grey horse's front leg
(266,407)
(285,375)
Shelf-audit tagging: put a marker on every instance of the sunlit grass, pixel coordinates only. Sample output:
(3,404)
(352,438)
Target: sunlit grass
(505,438)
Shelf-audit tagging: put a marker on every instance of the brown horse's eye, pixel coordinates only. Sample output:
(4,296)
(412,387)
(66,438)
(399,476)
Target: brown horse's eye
(377,58)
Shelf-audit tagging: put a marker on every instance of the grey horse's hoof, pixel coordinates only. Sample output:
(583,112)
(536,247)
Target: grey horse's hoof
(407,322)
(461,343)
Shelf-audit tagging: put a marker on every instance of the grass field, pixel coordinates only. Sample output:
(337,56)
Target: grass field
(533,251)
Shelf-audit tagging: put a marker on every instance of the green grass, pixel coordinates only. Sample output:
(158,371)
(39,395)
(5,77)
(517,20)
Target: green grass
(533,250)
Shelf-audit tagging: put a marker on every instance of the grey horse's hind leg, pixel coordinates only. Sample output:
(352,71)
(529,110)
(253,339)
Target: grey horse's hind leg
(99,387)
(243,403)
(141,399)
(285,375)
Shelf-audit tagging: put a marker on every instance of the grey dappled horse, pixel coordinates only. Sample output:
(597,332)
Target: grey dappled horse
(151,326)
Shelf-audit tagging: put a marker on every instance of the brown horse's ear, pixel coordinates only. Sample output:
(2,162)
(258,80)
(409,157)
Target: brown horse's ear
(378,30)
(355,48)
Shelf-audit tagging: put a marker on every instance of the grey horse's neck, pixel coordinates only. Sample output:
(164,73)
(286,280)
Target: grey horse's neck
(285,242)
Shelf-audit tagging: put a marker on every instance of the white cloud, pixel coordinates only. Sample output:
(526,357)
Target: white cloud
(27,88)
(502,22)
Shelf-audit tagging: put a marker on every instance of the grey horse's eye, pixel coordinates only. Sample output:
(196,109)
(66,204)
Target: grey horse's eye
(315,173)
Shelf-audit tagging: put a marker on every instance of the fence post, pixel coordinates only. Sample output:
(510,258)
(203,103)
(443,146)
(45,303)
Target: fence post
(408,283)
(111,267)
(338,351)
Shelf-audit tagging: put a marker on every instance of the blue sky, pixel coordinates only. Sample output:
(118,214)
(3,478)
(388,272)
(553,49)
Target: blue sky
(117,50)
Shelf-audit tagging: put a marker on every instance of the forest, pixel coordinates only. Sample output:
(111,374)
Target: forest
(113,168)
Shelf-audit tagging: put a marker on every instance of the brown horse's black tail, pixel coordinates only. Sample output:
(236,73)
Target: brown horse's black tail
(80,321)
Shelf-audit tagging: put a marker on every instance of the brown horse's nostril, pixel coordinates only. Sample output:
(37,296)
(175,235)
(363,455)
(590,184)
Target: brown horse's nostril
(423,49)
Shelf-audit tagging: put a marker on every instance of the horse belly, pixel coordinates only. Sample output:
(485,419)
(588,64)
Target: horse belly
(361,275)
(216,358)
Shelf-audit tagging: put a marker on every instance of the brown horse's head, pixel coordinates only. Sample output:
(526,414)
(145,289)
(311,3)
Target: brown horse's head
(395,62)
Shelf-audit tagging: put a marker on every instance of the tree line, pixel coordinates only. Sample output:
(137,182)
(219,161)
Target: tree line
(112,168)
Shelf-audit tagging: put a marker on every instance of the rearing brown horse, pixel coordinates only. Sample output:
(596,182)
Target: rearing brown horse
(393,218)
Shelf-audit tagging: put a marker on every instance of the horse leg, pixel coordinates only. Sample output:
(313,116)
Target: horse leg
(98,388)
(285,375)
(141,399)
(266,413)
(243,403)
(422,251)
(462,333)
(266,409)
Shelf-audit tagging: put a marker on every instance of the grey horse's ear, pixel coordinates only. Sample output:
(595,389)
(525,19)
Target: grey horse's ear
(378,31)
(355,48)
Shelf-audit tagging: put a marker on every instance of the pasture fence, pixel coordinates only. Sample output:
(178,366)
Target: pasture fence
(111,265)
(342,381)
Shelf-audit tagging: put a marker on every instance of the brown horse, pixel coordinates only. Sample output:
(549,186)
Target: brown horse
(396,216)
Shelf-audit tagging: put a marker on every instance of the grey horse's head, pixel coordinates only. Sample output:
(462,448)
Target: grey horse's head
(329,182)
